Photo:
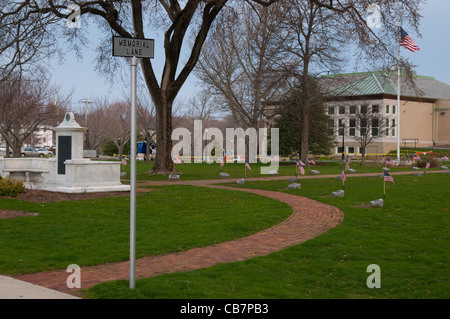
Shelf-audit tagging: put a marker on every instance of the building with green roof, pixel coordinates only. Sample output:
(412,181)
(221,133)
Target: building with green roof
(364,110)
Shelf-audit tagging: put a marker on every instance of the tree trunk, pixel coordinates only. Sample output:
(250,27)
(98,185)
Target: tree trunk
(147,148)
(304,149)
(163,161)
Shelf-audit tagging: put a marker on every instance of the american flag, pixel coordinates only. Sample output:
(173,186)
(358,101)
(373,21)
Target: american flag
(247,165)
(347,163)
(444,158)
(300,166)
(428,164)
(124,162)
(389,162)
(222,162)
(383,159)
(311,161)
(388,178)
(416,157)
(177,160)
(407,42)
(344,178)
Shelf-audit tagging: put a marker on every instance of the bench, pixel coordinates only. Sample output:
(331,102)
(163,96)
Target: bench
(25,174)
(410,140)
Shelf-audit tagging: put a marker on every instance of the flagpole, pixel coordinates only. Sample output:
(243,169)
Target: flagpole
(384,189)
(398,94)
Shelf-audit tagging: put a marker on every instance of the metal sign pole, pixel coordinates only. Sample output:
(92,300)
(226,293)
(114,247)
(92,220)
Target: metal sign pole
(133,175)
(133,48)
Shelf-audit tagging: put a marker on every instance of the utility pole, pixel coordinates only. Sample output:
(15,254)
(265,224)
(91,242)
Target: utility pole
(86,102)
(85,109)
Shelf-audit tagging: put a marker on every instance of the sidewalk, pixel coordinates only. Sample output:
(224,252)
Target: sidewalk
(11,288)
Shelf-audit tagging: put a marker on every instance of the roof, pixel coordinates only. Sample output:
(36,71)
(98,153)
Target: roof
(384,83)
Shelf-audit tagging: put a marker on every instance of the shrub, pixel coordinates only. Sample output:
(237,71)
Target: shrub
(433,162)
(10,187)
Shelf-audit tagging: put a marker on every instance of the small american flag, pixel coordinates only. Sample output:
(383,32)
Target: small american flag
(444,158)
(383,159)
(222,162)
(300,166)
(311,161)
(177,160)
(416,157)
(407,42)
(344,178)
(247,165)
(428,164)
(347,163)
(388,178)
(124,162)
(389,162)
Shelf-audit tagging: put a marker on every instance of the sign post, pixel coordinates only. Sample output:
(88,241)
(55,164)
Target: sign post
(133,48)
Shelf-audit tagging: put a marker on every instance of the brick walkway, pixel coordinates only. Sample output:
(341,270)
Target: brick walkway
(308,220)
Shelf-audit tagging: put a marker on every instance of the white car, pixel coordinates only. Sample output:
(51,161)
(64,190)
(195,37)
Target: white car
(3,151)
(35,152)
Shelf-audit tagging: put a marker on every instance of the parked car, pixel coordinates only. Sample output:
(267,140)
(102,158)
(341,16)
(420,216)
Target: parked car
(3,151)
(35,152)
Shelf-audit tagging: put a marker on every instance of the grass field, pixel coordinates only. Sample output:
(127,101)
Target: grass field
(87,232)
(408,238)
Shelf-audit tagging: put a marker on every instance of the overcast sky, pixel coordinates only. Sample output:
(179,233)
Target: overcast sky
(433,59)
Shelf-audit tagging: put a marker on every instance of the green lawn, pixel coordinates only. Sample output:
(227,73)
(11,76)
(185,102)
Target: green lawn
(169,219)
(193,171)
(408,238)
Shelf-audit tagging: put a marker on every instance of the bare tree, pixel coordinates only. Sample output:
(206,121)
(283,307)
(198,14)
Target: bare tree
(26,38)
(118,117)
(315,43)
(147,123)
(24,105)
(241,63)
(98,123)
(367,125)
(128,18)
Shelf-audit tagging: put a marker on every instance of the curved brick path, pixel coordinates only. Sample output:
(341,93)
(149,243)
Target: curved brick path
(308,220)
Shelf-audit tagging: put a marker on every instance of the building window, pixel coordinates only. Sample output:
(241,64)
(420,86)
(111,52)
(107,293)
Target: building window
(341,127)
(363,109)
(331,110)
(387,109)
(387,126)
(339,149)
(351,149)
(393,128)
(352,127)
(393,109)
(375,109)
(341,109)
(363,129)
(352,109)
(374,127)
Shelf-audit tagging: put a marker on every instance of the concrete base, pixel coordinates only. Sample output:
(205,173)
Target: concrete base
(80,189)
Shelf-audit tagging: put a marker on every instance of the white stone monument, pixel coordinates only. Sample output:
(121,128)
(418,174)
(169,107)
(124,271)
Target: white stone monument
(69,172)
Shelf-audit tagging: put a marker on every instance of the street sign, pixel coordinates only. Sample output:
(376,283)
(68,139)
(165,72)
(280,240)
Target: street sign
(133,47)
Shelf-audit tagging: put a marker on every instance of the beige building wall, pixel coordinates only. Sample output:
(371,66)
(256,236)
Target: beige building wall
(416,123)
(442,122)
